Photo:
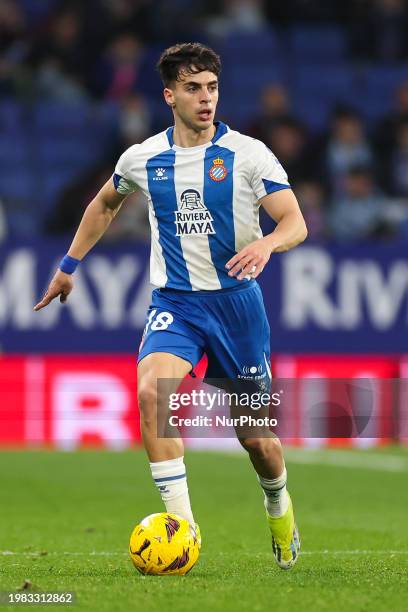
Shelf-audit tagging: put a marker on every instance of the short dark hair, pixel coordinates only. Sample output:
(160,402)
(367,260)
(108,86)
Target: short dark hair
(359,170)
(344,111)
(191,58)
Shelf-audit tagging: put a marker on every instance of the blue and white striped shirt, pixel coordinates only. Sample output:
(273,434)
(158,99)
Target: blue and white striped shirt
(203,202)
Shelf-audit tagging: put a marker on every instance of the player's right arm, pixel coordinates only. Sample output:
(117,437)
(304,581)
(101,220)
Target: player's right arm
(95,221)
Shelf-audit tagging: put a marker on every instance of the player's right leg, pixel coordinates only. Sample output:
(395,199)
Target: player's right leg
(170,349)
(171,369)
(166,455)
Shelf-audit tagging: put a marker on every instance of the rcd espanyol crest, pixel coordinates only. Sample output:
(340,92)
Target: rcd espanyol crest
(218,171)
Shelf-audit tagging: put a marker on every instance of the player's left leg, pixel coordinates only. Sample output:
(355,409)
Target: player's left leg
(266,456)
(240,350)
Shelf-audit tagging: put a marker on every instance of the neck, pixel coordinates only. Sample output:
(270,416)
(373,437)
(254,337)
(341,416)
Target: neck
(184,136)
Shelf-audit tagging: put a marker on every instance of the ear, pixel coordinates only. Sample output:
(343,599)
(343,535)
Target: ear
(169,97)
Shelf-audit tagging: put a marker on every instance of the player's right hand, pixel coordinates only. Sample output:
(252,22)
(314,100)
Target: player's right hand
(61,285)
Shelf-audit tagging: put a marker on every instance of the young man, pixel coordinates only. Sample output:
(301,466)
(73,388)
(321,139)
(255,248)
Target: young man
(204,183)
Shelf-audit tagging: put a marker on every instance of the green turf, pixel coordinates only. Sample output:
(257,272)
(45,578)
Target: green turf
(58,509)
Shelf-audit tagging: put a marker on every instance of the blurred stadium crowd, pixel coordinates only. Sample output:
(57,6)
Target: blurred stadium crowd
(323,83)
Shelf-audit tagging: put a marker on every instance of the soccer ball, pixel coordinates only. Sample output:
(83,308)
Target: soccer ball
(164,544)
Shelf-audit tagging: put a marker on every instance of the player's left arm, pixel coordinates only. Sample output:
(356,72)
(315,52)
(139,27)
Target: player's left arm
(290,231)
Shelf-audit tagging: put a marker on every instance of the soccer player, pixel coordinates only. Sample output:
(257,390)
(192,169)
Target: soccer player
(205,183)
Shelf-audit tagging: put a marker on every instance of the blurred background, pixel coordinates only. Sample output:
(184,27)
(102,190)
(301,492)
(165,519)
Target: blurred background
(324,84)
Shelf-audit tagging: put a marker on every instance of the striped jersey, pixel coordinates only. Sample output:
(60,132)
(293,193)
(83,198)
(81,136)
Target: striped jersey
(203,203)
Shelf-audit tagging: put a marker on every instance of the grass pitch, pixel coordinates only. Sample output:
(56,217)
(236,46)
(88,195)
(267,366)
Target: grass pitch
(66,518)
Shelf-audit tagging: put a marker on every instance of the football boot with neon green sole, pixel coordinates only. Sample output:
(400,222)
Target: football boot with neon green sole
(285,538)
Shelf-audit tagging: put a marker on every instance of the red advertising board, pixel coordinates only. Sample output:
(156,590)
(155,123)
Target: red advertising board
(329,369)
(13,400)
(71,401)
(403,403)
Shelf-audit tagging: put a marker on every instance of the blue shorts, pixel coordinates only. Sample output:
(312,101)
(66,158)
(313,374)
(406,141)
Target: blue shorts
(230,326)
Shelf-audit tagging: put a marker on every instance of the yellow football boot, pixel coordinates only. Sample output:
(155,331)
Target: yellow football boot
(285,538)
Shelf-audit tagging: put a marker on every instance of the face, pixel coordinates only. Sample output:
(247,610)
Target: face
(402,97)
(286,142)
(402,137)
(359,185)
(275,100)
(194,99)
(311,195)
(348,130)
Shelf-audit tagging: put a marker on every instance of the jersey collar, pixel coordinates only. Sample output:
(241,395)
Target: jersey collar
(221,129)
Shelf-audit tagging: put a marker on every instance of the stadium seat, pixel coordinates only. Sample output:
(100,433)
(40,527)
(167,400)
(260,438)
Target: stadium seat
(334,81)
(52,185)
(236,87)
(326,43)
(17,184)
(75,153)
(36,10)
(11,115)
(149,82)
(238,114)
(54,118)
(19,190)
(160,113)
(313,112)
(315,89)
(378,89)
(13,149)
(247,49)
(57,118)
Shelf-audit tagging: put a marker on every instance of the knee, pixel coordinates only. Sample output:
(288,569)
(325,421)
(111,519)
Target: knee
(261,447)
(147,400)
(253,445)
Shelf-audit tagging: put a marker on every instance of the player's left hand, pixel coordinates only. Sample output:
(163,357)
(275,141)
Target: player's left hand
(251,260)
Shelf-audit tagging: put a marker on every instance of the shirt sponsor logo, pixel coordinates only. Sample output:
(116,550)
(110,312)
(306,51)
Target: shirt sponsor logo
(252,369)
(218,171)
(255,373)
(193,218)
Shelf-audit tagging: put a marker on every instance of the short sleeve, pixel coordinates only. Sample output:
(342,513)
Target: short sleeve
(121,178)
(268,175)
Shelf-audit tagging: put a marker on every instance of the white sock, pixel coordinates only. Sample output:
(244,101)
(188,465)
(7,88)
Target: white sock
(171,480)
(276,497)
